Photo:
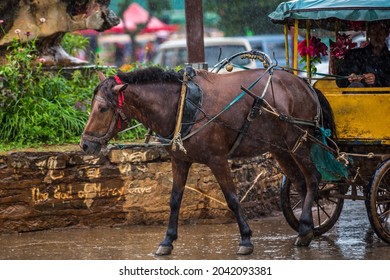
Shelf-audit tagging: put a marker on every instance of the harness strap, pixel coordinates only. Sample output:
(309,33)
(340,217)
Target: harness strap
(294,120)
(254,111)
(121,97)
(121,100)
(105,138)
(301,139)
(177,142)
(118,80)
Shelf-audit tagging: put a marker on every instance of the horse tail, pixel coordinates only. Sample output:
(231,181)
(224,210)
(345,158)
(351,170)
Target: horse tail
(327,113)
(325,161)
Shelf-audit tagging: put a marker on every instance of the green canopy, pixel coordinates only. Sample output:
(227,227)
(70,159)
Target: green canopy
(332,14)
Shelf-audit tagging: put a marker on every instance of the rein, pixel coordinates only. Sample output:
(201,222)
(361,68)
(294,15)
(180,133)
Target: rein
(324,76)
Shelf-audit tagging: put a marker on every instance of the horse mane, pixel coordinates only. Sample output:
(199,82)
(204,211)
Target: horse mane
(137,77)
(150,75)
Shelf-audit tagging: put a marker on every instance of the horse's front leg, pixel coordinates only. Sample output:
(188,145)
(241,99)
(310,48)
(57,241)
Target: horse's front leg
(222,173)
(180,172)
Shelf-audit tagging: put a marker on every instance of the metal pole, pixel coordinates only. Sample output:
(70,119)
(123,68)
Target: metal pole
(286,45)
(194,33)
(295,55)
(308,58)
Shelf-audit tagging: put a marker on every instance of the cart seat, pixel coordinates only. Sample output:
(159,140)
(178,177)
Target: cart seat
(362,115)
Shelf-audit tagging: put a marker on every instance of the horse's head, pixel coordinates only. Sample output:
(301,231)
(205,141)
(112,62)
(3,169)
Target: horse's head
(106,118)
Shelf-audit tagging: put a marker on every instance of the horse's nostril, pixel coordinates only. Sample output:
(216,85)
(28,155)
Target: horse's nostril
(85,147)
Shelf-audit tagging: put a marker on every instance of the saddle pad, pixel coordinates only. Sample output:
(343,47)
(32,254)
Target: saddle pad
(191,107)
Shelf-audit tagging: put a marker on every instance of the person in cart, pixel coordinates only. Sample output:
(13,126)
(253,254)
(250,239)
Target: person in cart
(368,66)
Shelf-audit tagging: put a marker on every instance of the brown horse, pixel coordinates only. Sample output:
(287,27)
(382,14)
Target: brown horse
(152,95)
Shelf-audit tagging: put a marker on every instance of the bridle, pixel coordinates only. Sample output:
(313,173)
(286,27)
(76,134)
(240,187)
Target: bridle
(118,119)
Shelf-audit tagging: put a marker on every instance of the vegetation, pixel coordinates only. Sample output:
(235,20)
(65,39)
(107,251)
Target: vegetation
(41,107)
(73,43)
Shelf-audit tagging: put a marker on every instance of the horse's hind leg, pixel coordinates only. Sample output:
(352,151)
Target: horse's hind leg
(180,172)
(312,179)
(222,173)
(305,177)
(292,171)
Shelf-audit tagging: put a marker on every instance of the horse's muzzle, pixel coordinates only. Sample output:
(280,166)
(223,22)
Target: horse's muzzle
(90,147)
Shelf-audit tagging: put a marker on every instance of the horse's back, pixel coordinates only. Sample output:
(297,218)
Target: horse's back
(286,92)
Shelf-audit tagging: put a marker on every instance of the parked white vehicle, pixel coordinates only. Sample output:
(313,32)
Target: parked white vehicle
(174,52)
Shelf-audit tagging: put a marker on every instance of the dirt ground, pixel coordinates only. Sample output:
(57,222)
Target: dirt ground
(44,148)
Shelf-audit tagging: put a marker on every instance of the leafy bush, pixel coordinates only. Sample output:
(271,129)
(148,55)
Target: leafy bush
(41,107)
(73,43)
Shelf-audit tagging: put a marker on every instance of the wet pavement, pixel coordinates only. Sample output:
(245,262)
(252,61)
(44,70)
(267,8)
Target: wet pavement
(351,238)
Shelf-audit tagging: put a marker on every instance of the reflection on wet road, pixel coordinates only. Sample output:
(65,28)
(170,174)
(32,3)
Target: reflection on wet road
(351,238)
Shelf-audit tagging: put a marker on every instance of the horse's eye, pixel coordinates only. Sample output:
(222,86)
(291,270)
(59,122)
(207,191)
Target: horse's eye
(103,109)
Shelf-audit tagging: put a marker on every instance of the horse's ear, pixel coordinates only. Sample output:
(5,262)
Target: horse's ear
(119,88)
(101,76)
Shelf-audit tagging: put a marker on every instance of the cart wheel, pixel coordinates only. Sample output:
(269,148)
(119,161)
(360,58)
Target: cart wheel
(326,208)
(378,201)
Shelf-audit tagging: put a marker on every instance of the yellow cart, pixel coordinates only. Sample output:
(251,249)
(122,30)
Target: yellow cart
(362,118)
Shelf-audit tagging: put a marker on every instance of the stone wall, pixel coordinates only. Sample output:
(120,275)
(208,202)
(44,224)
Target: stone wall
(44,190)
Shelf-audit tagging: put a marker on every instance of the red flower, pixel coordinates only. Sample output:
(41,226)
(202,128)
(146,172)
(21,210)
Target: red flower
(302,49)
(316,48)
(341,46)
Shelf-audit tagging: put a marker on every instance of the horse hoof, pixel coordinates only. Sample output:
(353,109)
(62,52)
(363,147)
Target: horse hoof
(164,250)
(245,250)
(304,241)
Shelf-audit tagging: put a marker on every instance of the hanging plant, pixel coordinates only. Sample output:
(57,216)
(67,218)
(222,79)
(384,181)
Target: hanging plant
(316,49)
(343,44)
(338,50)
